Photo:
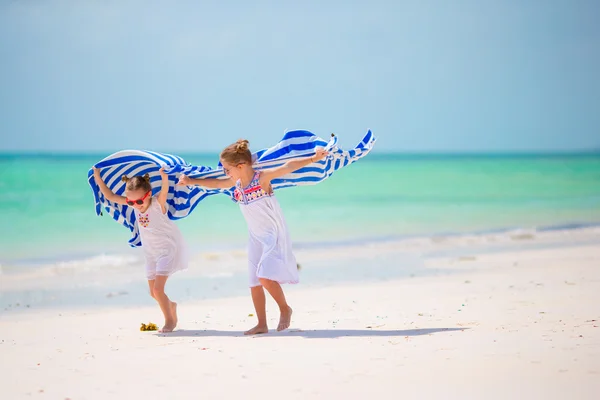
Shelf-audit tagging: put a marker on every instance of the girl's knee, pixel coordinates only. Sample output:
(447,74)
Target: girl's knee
(158,292)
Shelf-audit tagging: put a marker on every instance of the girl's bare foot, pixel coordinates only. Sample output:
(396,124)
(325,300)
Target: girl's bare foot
(171,324)
(258,329)
(285,319)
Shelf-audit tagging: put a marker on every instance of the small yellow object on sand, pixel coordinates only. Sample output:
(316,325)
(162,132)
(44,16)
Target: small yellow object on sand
(150,327)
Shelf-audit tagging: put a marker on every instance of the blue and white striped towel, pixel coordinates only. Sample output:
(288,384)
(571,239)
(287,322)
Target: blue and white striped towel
(182,200)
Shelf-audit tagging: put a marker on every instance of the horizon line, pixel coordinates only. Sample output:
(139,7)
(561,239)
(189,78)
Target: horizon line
(524,152)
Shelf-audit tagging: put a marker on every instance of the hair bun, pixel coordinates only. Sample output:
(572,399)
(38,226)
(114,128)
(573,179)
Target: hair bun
(241,146)
(147,177)
(124,178)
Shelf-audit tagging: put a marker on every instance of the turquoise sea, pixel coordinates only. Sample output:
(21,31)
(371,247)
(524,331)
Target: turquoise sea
(47,208)
(379,218)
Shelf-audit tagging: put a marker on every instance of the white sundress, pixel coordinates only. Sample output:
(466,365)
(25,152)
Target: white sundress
(162,242)
(270,252)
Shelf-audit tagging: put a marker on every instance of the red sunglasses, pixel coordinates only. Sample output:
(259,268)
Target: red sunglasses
(138,201)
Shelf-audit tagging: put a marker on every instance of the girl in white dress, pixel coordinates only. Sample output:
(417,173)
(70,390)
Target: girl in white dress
(271,261)
(162,241)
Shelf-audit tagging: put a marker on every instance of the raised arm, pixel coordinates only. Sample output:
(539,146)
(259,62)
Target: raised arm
(292,166)
(108,194)
(164,190)
(210,183)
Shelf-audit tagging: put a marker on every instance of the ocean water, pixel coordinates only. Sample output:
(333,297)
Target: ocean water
(55,250)
(47,209)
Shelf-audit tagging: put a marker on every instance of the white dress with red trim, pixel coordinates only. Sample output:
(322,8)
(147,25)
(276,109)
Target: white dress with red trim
(270,252)
(163,244)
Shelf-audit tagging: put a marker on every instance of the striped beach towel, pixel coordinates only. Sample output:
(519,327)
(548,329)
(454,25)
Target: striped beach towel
(182,200)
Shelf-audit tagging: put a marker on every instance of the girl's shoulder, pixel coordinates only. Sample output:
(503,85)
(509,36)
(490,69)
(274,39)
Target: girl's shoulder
(154,204)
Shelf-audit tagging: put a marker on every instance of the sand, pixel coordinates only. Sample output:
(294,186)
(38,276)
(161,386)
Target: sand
(513,324)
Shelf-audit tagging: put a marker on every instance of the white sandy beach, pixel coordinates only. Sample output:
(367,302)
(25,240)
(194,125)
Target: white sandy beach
(511,325)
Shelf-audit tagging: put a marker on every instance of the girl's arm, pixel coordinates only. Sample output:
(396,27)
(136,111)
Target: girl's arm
(210,183)
(108,194)
(164,190)
(292,166)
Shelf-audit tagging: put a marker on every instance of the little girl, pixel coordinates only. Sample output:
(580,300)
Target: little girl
(162,242)
(271,261)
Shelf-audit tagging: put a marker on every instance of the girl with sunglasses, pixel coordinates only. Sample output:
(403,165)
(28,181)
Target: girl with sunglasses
(271,261)
(162,241)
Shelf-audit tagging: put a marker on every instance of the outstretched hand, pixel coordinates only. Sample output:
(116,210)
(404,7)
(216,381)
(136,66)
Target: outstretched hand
(319,155)
(184,180)
(162,172)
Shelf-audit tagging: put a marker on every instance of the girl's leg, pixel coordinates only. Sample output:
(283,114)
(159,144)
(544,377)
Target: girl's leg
(151,287)
(168,307)
(260,306)
(255,250)
(275,290)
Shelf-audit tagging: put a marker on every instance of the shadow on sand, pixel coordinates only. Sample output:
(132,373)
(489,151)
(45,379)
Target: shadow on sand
(315,334)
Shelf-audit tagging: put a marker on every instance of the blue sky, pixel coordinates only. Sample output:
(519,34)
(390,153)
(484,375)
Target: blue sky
(474,75)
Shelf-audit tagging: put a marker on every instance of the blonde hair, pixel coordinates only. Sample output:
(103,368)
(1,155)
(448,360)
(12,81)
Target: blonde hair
(137,182)
(237,153)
